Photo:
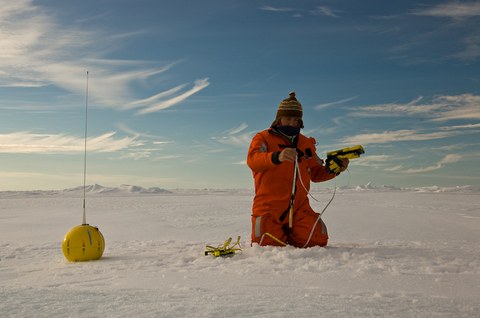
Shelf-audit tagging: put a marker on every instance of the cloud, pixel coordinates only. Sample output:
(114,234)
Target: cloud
(235,136)
(26,142)
(159,139)
(319,10)
(276,9)
(296,13)
(466,106)
(441,108)
(373,160)
(452,10)
(31,40)
(450,158)
(394,168)
(155,98)
(323,106)
(238,129)
(395,109)
(461,33)
(168,157)
(457,127)
(376,158)
(326,11)
(36,51)
(164,104)
(395,136)
(471,50)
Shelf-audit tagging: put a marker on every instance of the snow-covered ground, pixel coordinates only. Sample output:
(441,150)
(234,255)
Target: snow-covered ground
(392,253)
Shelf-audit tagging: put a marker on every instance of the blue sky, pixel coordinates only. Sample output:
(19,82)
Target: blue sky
(177,89)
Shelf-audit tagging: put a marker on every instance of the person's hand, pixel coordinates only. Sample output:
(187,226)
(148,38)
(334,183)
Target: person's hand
(336,165)
(344,164)
(288,154)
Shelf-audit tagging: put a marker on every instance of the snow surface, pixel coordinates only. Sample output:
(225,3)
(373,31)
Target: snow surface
(392,253)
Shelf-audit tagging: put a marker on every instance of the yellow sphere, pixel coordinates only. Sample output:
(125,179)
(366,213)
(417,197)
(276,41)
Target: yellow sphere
(83,243)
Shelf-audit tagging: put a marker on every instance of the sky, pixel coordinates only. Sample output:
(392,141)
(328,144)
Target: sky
(174,91)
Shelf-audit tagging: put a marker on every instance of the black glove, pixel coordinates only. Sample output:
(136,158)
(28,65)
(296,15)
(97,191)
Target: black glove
(334,165)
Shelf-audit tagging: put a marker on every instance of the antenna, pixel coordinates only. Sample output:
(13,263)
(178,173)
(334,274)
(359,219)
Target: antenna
(84,242)
(84,222)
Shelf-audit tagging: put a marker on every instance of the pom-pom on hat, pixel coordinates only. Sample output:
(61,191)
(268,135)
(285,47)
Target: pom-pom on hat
(289,107)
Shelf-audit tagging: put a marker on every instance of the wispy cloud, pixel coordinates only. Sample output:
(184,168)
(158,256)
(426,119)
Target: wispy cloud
(36,51)
(26,142)
(326,11)
(158,139)
(167,157)
(466,106)
(327,105)
(441,108)
(452,10)
(457,127)
(461,14)
(471,50)
(158,104)
(396,136)
(298,13)
(378,161)
(373,160)
(235,136)
(276,9)
(237,130)
(450,158)
(153,99)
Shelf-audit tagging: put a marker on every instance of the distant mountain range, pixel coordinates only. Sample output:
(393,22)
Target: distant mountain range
(124,190)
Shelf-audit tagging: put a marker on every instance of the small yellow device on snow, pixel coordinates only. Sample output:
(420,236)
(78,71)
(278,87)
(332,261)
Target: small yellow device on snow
(333,163)
(225,249)
(83,243)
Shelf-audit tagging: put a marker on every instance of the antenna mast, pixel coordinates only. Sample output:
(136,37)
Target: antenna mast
(84,222)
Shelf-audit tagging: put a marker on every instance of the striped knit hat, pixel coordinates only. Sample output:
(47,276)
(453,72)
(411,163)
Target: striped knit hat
(289,107)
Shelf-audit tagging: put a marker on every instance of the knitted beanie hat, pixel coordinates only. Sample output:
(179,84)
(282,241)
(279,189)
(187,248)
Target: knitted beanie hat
(289,107)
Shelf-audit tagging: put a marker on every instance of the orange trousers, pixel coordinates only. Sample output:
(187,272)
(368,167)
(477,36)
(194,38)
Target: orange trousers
(308,230)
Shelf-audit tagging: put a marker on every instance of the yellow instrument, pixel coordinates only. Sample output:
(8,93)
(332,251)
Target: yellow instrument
(333,163)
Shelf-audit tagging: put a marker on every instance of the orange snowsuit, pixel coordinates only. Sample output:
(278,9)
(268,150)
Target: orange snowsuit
(273,191)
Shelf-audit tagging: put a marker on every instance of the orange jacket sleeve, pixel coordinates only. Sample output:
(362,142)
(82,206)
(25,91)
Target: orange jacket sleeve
(259,158)
(318,172)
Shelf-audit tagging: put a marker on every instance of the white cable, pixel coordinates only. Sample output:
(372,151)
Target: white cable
(325,208)
(311,232)
(303,185)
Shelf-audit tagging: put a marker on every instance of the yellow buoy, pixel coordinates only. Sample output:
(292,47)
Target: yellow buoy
(83,243)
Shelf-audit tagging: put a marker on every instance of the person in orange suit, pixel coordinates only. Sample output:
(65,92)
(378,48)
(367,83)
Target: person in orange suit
(283,162)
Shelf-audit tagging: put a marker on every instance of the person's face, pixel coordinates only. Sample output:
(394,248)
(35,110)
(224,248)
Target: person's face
(290,121)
